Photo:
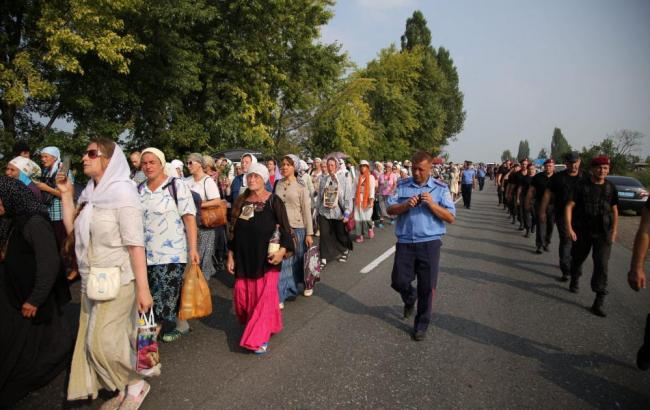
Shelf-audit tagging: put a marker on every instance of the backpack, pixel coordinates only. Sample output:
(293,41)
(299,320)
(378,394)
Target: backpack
(171,187)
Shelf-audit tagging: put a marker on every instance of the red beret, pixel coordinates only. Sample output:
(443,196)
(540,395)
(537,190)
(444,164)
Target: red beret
(600,160)
(549,161)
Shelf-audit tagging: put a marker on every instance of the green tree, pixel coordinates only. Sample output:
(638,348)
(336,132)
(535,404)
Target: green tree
(619,147)
(559,145)
(542,154)
(506,155)
(524,150)
(417,33)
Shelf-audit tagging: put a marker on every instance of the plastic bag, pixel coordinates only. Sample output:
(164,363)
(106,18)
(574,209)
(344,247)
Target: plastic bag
(148,358)
(196,300)
(312,267)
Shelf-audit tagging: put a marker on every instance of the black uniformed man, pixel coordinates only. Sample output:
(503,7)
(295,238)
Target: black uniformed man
(591,216)
(510,185)
(557,193)
(534,201)
(526,213)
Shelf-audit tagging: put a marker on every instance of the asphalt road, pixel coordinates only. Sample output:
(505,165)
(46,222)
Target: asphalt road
(505,334)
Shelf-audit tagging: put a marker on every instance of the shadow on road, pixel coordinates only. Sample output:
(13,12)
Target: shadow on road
(571,372)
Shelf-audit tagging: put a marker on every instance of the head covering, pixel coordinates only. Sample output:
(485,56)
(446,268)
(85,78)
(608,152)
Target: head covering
(407,163)
(17,200)
(248,154)
(364,162)
(572,156)
(260,170)
(114,191)
(28,169)
(549,161)
(53,151)
(600,160)
(178,164)
(303,167)
(158,153)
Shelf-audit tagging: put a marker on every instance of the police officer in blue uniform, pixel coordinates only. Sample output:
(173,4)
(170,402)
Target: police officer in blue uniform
(423,206)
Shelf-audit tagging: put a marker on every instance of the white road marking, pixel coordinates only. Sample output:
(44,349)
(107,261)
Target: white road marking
(372,265)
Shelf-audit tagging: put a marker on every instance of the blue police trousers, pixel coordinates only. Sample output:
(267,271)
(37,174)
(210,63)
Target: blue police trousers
(417,261)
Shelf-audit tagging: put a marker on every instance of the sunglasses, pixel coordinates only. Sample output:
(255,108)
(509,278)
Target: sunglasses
(93,153)
(189,163)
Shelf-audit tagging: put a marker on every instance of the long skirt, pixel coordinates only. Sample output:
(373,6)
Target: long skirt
(32,354)
(104,355)
(207,240)
(292,273)
(165,282)
(257,306)
(362,220)
(334,239)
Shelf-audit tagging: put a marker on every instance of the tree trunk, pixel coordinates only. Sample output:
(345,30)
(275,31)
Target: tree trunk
(8,120)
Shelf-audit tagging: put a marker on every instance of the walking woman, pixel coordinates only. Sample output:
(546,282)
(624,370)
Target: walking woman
(387,187)
(258,217)
(454,180)
(364,199)
(108,233)
(334,209)
(36,342)
(205,186)
(170,233)
(294,193)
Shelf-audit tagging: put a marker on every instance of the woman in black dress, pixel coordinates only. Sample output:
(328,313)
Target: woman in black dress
(36,343)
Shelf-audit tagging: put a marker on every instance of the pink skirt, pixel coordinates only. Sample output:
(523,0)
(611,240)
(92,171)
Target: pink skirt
(257,306)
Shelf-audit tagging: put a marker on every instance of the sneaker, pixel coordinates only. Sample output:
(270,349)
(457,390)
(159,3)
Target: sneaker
(545,247)
(343,258)
(174,335)
(380,225)
(134,402)
(262,350)
(359,239)
(323,262)
(281,305)
(371,233)
(392,222)
(419,335)
(308,292)
(114,403)
(538,251)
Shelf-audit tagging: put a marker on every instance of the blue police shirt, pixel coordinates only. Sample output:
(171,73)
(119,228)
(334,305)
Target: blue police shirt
(419,224)
(468,176)
(481,173)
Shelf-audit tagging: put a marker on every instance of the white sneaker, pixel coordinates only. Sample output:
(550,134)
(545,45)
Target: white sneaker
(281,305)
(308,292)
(323,262)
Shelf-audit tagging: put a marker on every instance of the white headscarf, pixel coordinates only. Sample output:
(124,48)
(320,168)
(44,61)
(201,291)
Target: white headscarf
(56,153)
(260,170)
(115,190)
(178,164)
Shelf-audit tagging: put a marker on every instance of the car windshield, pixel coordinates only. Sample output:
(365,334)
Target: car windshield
(625,181)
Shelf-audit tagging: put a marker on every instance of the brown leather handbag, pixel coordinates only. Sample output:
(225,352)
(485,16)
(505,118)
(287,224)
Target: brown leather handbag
(214,216)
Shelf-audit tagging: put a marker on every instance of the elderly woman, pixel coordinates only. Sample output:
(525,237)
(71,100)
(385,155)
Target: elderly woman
(295,195)
(36,342)
(170,237)
(334,210)
(364,199)
(108,233)
(25,170)
(260,238)
(205,186)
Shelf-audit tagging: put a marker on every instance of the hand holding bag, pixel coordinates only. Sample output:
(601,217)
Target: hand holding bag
(103,283)
(216,215)
(148,358)
(196,300)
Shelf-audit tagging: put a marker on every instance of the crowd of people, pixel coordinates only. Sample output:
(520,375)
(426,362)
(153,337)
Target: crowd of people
(145,220)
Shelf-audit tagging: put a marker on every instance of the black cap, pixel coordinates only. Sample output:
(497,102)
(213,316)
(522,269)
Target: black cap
(572,156)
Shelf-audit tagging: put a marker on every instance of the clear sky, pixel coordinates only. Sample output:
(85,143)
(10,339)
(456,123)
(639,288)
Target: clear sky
(525,66)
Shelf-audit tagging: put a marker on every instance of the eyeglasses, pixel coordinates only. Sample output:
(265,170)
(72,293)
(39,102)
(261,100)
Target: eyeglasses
(189,163)
(93,153)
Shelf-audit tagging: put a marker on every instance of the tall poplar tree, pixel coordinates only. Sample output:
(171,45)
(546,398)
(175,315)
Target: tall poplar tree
(559,145)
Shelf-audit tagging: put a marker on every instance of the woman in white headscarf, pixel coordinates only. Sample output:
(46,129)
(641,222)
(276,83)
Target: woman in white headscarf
(108,233)
(25,170)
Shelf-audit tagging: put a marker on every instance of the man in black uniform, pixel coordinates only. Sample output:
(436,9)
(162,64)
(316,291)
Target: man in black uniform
(500,179)
(526,213)
(519,181)
(510,185)
(557,193)
(591,216)
(536,191)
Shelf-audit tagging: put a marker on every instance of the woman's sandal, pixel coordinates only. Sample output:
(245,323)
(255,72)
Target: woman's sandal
(134,403)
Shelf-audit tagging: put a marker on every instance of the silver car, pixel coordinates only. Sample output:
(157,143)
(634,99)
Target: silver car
(632,194)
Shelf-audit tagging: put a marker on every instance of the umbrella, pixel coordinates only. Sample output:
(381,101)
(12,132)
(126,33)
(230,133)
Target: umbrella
(337,155)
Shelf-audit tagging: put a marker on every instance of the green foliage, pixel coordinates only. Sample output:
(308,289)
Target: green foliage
(524,150)
(542,154)
(417,33)
(619,147)
(559,145)
(506,155)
